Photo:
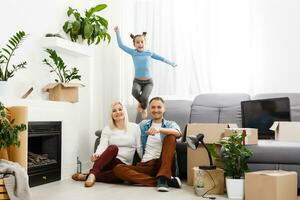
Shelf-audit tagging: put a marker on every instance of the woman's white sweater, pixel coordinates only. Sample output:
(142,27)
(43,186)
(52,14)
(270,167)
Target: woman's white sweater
(127,141)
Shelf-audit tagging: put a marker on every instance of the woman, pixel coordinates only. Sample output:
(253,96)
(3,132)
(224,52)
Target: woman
(118,144)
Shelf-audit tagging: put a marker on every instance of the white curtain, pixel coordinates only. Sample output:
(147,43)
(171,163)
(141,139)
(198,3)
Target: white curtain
(208,39)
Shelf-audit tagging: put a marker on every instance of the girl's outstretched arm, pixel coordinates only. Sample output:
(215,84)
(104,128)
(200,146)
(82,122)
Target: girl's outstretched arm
(158,57)
(120,43)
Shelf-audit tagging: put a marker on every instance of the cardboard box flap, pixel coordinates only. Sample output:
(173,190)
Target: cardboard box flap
(274,126)
(233,126)
(52,85)
(273,172)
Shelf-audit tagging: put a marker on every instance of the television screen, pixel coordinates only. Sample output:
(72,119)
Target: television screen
(262,113)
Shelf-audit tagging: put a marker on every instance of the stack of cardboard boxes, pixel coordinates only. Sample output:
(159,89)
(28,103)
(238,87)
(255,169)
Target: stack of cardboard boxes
(277,185)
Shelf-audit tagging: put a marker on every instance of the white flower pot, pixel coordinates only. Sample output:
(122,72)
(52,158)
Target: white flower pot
(235,188)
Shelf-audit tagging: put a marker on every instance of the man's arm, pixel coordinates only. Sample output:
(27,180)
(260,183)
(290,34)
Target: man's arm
(170,131)
(173,130)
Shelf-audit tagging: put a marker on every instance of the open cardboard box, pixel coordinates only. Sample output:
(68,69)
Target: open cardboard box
(251,134)
(63,91)
(286,131)
(213,133)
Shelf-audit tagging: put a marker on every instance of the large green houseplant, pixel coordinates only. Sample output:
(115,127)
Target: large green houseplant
(9,132)
(6,54)
(90,27)
(235,156)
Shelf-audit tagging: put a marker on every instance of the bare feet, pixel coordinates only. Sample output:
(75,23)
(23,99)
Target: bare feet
(79,177)
(90,181)
(144,114)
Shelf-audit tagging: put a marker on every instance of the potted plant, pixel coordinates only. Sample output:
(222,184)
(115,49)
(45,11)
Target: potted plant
(199,187)
(91,27)
(235,156)
(7,71)
(62,90)
(8,132)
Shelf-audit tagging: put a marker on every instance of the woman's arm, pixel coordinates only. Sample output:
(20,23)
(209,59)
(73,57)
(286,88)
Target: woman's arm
(138,141)
(103,142)
(160,58)
(120,43)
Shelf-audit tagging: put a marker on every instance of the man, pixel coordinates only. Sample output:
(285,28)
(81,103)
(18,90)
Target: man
(158,138)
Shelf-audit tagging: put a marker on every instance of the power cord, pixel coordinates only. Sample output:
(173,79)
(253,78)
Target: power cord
(214,186)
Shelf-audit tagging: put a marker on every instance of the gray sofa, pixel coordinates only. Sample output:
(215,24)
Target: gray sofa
(225,108)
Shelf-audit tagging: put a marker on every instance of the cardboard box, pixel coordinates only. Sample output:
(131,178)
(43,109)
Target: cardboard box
(213,133)
(286,131)
(275,185)
(63,91)
(213,180)
(251,134)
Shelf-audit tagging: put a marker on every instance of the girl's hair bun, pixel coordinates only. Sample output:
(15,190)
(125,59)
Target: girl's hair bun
(132,36)
(144,34)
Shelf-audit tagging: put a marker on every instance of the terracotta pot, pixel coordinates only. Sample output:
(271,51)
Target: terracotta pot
(4,154)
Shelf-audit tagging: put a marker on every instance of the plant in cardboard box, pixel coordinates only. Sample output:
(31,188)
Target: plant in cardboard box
(8,131)
(235,156)
(91,27)
(64,75)
(62,90)
(7,71)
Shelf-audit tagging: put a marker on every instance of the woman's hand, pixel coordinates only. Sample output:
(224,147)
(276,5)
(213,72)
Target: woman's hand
(94,157)
(116,29)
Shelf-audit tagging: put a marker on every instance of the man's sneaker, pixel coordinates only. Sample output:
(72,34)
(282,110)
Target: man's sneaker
(174,182)
(162,184)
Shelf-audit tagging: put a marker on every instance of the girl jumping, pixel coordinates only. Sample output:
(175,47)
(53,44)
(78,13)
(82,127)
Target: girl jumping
(142,83)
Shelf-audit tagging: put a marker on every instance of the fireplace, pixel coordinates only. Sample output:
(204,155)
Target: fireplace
(44,152)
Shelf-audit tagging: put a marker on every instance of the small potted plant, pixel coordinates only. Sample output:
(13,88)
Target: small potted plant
(90,27)
(7,71)
(199,187)
(8,132)
(62,90)
(235,156)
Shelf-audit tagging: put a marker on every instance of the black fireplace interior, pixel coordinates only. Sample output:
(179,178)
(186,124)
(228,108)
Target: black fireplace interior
(44,152)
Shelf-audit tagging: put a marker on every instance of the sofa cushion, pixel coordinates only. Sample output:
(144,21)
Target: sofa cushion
(294,102)
(271,151)
(218,108)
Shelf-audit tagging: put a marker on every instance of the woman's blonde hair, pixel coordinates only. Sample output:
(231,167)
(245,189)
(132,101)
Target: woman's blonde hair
(112,123)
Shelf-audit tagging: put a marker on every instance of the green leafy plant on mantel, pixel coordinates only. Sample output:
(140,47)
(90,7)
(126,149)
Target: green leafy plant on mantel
(6,55)
(235,156)
(91,27)
(8,130)
(58,67)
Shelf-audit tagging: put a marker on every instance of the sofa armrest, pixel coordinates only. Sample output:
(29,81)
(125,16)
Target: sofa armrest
(97,141)
(98,133)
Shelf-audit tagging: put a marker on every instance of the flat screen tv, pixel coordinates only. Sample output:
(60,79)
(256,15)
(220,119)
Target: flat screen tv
(262,113)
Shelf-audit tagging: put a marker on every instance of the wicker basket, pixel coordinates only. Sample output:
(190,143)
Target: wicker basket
(3,193)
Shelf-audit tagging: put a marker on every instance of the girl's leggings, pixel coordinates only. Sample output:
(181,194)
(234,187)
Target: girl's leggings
(141,90)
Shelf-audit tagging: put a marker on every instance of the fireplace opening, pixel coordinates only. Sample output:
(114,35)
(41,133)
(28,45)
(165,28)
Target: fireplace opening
(44,152)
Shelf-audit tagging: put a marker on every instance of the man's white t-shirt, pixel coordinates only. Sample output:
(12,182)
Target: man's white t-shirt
(153,145)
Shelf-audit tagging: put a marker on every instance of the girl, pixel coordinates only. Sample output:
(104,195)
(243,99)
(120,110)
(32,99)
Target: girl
(118,144)
(142,83)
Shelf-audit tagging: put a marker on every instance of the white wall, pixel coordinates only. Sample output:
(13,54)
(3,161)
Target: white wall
(80,120)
